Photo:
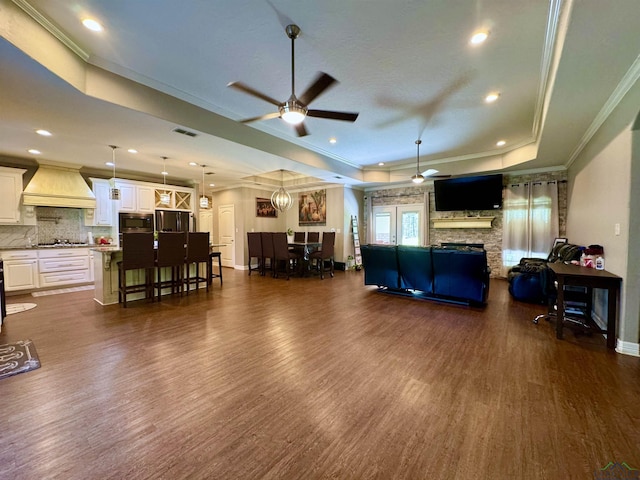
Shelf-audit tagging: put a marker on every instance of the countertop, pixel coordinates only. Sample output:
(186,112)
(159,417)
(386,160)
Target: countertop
(50,247)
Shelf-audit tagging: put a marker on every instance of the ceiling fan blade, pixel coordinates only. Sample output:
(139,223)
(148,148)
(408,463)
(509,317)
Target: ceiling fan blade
(300,130)
(346,116)
(268,116)
(247,89)
(322,82)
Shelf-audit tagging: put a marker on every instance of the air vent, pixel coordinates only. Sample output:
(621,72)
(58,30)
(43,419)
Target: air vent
(182,131)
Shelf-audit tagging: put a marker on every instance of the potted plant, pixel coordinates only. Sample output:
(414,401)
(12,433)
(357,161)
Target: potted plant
(350,262)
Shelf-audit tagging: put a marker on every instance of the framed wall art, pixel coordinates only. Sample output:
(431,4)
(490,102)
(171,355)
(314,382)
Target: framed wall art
(312,208)
(264,209)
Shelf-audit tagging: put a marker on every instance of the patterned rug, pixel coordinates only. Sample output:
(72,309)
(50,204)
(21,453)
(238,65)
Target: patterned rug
(19,307)
(17,358)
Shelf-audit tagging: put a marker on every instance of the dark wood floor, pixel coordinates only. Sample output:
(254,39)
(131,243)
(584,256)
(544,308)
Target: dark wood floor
(268,378)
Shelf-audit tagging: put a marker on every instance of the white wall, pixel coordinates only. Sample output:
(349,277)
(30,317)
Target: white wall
(341,204)
(600,196)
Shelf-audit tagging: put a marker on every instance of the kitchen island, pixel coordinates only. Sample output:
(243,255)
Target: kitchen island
(105,271)
(105,266)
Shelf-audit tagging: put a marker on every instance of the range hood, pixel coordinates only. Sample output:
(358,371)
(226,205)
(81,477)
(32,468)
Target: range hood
(58,185)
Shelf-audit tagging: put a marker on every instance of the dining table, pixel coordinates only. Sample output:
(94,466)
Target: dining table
(304,249)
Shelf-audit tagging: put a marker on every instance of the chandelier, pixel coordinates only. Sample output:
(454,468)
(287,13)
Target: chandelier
(165,198)
(281,199)
(114,191)
(204,200)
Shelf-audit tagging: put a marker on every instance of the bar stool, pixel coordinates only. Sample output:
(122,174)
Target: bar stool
(210,274)
(137,253)
(197,253)
(171,253)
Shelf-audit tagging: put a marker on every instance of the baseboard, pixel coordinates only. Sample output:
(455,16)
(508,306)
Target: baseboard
(628,348)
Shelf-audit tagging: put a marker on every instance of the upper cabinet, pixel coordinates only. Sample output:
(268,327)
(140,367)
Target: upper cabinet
(10,191)
(142,197)
(135,197)
(173,198)
(104,211)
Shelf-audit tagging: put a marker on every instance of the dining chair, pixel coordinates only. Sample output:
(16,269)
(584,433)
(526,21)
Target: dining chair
(254,245)
(267,252)
(299,237)
(137,254)
(197,253)
(171,254)
(283,256)
(313,237)
(325,254)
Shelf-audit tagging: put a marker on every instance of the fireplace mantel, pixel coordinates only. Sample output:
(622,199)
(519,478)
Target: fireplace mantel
(463,222)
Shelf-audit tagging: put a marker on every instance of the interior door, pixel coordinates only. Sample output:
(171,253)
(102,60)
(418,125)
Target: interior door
(227,229)
(399,225)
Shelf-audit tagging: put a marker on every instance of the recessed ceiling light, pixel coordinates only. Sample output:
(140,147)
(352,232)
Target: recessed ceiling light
(332,140)
(132,150)
(109,164)
(44,133)
(501,143)
(92,25)
(492,97)
(164,173)
(34,151)
(479,37)
(212,184)
(193,164)
(381,164)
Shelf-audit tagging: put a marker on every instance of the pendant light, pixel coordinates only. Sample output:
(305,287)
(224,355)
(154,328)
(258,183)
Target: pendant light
(114,191)
(165,198)
(281,199)
(204,201)
(418,178)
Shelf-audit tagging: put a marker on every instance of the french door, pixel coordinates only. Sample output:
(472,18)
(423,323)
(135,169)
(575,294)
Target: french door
(399,225)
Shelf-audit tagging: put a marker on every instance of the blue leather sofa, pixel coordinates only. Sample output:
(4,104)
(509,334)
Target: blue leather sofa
(451,273)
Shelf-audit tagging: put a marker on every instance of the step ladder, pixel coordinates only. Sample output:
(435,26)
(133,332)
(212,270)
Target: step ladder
(356,242)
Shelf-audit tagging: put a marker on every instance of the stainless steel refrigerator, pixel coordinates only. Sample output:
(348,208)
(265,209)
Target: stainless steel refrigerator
(172,221)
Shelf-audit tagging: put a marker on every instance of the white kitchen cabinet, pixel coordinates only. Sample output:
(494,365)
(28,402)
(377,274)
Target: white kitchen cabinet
(104,212)
(128,199)
(20,269)
(10,191)
(136,197)
(64,266)
(145,199)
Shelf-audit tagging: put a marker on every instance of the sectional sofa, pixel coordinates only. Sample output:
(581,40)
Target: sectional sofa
(456,273)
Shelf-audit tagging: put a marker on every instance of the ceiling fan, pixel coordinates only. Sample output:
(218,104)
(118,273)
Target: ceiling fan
(295,110)
(419,177)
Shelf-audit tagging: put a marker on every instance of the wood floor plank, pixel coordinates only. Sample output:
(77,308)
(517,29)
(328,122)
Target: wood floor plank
(268,378)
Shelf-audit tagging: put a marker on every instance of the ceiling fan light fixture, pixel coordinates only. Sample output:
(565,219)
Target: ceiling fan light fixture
(292,113)
(417,178)
(479,37)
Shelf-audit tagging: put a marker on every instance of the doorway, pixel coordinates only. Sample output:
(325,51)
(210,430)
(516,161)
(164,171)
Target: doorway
(399,224)
(227,229)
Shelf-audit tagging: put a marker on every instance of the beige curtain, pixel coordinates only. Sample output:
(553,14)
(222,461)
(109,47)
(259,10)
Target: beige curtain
(530,221)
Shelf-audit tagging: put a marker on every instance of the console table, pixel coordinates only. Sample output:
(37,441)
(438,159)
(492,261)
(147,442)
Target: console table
(590,278)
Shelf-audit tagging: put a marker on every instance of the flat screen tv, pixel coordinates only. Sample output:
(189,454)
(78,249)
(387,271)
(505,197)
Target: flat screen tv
(469,193)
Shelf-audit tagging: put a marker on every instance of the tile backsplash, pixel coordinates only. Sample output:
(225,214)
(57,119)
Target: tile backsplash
(52,223)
